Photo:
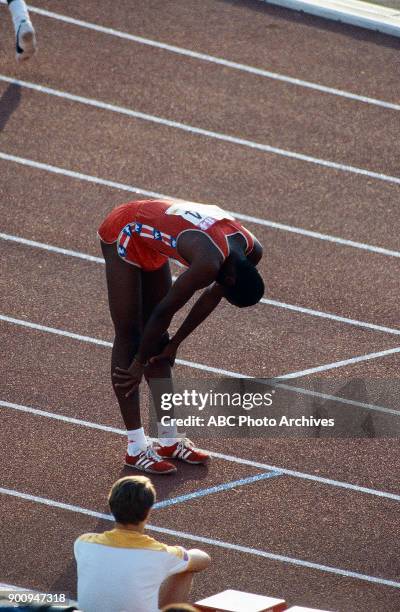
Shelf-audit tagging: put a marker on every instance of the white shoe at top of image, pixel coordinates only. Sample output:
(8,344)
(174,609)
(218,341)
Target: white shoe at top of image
(25,41)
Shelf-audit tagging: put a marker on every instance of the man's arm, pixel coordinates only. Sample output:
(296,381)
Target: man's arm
(198,560)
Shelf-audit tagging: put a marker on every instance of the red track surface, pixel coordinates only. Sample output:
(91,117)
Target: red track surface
(290,516)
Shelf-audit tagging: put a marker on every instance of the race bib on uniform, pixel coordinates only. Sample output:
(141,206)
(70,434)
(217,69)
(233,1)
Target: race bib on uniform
(202,216)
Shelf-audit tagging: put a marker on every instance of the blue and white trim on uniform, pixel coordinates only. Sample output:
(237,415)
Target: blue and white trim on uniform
(144,231)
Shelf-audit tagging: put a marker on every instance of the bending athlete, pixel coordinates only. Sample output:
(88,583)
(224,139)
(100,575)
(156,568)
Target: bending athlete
(138,239)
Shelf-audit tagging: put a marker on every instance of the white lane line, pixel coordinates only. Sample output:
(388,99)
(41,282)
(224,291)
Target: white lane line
(224,457)
(274,303)
(51,248)
(98,342)
(207,368)
(339,364)
(221,488)
(318,235)
(311,477)
(60,417)
(53,330)
(214,60)
(201,366)
(154,194)
(204,540)
(334,398)
(333,317)
(11,587)
(244,142)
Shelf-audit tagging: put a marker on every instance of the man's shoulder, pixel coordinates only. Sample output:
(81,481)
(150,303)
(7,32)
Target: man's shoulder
(177,551)
(92,538)
(150,543)
(130,540)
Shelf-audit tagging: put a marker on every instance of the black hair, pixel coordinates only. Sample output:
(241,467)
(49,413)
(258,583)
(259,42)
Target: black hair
(249,286)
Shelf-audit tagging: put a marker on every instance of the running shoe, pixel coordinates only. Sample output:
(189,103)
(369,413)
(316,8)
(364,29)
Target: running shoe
(25,41)
(183,450)
(149,461)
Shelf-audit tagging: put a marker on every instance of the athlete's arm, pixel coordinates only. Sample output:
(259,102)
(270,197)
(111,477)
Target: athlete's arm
(200,275)
(207,302)
(197,277)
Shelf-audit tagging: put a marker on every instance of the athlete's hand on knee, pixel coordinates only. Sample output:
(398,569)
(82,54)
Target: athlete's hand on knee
(130,378)
(168,354)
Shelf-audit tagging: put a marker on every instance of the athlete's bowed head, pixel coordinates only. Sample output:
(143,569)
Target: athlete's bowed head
(243,285)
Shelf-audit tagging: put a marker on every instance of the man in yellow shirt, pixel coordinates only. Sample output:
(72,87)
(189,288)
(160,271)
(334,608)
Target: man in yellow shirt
(126,570)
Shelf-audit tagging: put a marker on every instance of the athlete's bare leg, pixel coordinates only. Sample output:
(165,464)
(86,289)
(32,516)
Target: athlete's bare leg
(124,283)
(155,286)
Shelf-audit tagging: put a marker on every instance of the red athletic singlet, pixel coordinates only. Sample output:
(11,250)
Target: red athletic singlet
(147,231)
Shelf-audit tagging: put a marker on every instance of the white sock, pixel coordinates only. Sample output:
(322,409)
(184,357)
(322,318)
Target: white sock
(167,434)
(137,441)
(19,12)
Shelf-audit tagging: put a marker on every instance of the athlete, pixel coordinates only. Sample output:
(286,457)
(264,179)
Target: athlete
(25,38)
(138,239)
